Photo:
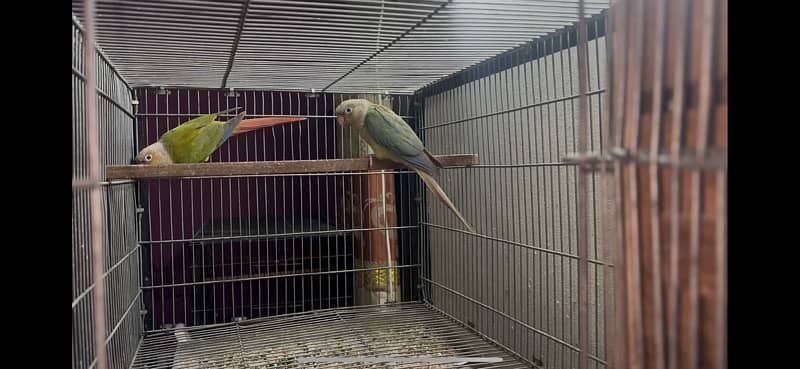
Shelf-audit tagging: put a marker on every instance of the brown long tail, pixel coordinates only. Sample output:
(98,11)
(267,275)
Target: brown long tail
(248,125)
(439,192)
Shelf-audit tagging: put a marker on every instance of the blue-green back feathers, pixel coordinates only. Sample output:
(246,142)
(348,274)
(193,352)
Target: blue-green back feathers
(393,133)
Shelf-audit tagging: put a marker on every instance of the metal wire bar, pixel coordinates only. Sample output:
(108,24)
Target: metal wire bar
(76,24)
(274,276)
(405,330)
(521,118)
(105,333)
(102,93)
(583,192)
(530,247)
(524,107)
(606,193)
(241,251)
(377,52)
(237,39)
(299,46)
(95,210)
(216,249)
(109,107)
(523,324)
(104,275)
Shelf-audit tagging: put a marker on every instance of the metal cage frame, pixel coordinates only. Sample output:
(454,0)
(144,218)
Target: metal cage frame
(415,105)
(531,88)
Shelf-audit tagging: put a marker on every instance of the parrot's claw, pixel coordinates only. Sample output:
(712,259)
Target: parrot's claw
(370,161)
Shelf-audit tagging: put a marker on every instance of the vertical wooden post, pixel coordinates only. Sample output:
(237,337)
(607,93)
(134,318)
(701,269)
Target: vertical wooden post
(370,204)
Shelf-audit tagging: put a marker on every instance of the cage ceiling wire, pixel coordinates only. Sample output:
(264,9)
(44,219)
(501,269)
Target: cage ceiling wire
(337,46)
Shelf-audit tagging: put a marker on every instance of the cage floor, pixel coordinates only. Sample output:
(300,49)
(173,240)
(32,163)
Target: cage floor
(402,331)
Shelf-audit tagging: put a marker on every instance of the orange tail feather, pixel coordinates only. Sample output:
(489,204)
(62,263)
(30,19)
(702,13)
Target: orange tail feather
(248,125)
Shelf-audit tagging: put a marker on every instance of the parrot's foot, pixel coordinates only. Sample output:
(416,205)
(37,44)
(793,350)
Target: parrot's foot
(369,157)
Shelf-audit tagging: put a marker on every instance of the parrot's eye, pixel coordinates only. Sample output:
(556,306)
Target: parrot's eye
(348,110)
(148,157)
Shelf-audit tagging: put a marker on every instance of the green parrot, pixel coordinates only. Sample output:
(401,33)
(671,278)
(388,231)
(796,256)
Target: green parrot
(391,138)
(195,140)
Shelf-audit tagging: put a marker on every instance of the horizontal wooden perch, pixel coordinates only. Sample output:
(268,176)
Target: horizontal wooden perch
(267,167)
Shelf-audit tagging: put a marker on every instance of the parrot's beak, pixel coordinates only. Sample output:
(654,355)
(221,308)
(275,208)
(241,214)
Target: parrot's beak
(340,120)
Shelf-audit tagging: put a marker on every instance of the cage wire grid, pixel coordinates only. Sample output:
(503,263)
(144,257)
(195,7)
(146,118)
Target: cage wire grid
(516,111)
(121,265)
(397,330)
(337,46)
(276,242)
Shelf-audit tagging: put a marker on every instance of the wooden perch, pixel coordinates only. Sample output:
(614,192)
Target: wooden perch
(268,167)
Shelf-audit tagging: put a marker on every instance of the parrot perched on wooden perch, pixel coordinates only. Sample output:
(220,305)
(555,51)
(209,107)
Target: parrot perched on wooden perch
(391,138)
(195,140)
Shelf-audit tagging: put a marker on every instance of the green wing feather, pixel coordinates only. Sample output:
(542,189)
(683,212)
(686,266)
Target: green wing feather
(395,135)
(195,140)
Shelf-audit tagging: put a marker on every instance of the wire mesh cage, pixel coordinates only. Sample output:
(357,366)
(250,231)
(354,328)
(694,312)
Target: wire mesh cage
(517,278)
(286,250)
(221,249)
(121,266)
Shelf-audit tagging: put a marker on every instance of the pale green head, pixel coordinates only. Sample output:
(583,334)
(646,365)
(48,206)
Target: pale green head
(351,113)
(154,154)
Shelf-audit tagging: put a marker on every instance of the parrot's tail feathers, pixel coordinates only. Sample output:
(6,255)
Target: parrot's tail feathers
(248,125)
(439,192)
(421,163)
(433,159)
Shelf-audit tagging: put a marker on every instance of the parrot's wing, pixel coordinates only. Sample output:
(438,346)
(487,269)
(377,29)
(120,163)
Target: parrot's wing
(394,134)
(195,140)
(193,124)
(203,120)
